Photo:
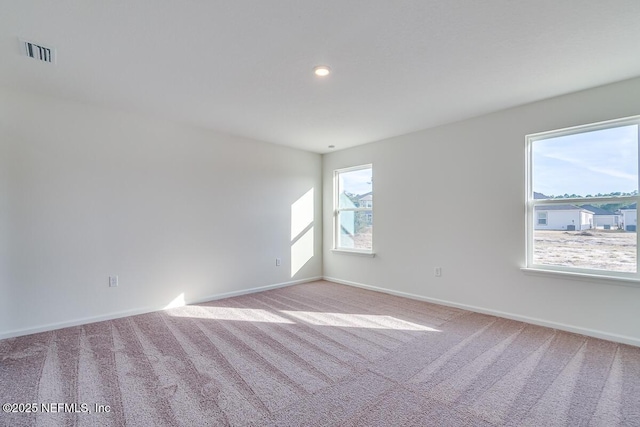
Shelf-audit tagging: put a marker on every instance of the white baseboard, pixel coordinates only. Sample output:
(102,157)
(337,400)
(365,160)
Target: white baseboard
(532,320)
(134,312)
(253,290)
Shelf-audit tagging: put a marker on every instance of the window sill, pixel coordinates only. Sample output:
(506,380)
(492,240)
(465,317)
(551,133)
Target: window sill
(369,254)
(597,278)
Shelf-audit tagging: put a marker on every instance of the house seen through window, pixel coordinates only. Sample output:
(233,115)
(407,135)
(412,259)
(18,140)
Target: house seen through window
(353,209)
(582,187)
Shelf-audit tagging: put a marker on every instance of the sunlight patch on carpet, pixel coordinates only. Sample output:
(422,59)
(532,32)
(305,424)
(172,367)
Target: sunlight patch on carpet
(229,313)
(366,321)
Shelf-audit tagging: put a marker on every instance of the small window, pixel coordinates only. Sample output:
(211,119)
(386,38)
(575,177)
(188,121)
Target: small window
(353,209)
(582,187)
(542,218)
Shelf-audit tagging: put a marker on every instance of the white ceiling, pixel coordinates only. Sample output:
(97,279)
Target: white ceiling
(245,66)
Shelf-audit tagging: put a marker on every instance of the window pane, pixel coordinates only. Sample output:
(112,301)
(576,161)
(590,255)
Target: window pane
(597,163)
(355,229)
(542,218)
(586,236)
(354,189)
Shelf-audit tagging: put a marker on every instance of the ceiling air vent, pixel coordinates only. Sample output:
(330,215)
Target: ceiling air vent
(39,52)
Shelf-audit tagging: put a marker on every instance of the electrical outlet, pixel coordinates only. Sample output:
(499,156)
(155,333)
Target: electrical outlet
(278,262)
(113,281)
(437,272)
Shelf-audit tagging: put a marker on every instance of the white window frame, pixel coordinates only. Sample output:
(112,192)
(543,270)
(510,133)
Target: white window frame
(337,210)
(531,217)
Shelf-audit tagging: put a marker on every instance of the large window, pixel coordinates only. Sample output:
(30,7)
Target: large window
(582,187)
(353,209)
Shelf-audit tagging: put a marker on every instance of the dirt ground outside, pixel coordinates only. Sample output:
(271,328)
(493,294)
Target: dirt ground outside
(362,239)
(611,250)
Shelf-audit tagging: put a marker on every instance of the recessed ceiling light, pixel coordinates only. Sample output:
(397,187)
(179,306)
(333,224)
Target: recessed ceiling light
(322,71)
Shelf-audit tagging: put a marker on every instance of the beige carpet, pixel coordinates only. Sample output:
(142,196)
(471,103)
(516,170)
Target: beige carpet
(318,354)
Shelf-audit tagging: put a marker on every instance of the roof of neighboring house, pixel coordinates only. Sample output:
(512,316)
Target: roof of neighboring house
(367,197)
(345,201)
(561,208)
(633,206)
(596,210)
(540,196)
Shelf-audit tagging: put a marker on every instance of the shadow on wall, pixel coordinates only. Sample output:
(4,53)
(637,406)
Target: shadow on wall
(301,232)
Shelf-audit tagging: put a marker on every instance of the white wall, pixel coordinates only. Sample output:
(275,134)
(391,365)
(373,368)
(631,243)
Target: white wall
(563,218)
(174,211)
(478,162)
(629,217)
(611,220)
(560,219)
